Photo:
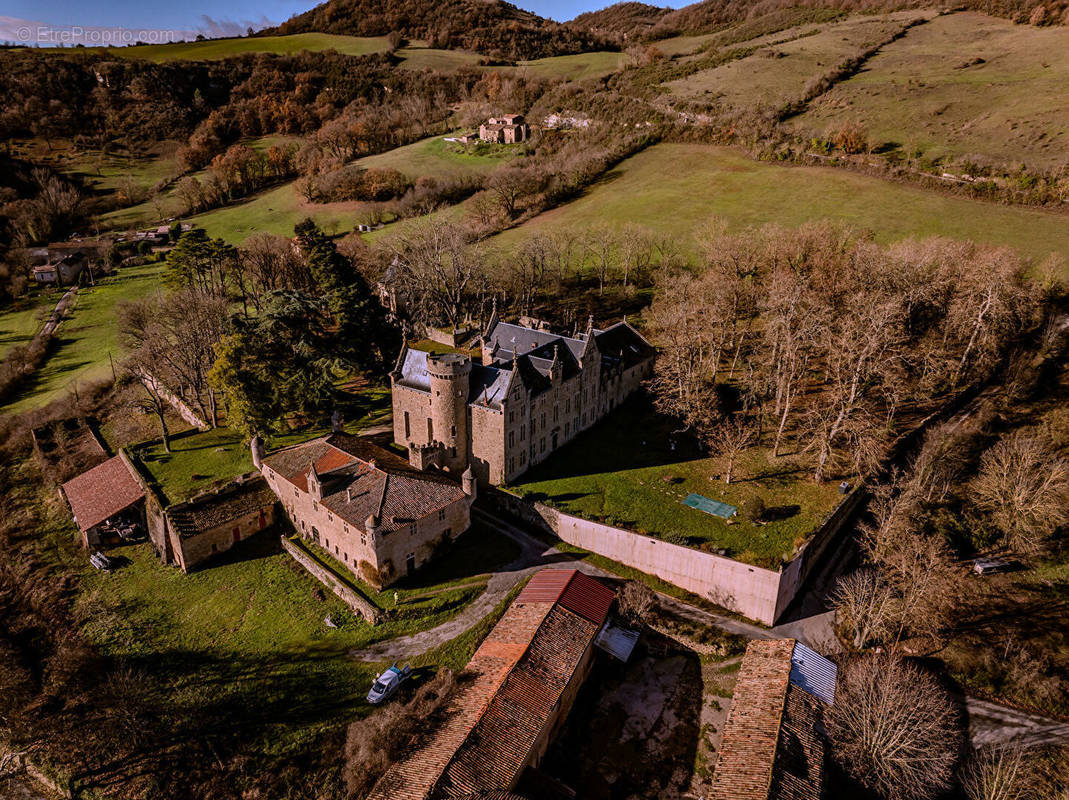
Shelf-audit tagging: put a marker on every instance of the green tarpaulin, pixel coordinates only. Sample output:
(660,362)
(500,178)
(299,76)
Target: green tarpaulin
(710,506)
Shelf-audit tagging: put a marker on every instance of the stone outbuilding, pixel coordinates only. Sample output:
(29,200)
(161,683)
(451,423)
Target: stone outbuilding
(213,522)
(104,496)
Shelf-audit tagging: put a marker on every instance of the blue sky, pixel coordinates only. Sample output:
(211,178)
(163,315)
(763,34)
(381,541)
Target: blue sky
(212,18)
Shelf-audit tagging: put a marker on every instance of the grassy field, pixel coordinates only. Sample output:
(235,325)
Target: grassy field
(199,459)
(435,157)
(674,188)
(19,325)
(214,49)
(576,67)
(778,73)
(962,85)
(244,639)
(625,472)
(81,347)
(418,57)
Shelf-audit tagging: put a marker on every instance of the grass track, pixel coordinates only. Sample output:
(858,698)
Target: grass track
(80,350)
(675,188)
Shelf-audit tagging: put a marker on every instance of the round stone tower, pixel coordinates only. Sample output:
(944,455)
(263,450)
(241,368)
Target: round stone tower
(450,378)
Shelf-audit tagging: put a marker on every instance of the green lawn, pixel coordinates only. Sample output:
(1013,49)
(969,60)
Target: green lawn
(214,49)
(675,188)
(624,472)
(18,325)
(418,57)
(199,459)
(81,347)
(963,85)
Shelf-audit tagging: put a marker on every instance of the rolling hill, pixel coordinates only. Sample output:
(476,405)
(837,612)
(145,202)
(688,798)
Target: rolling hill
(495,28)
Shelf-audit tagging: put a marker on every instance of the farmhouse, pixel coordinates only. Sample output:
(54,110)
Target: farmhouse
(773,745)
(507,129)
(532,391)
(522,683)
(367,507)
(60,271)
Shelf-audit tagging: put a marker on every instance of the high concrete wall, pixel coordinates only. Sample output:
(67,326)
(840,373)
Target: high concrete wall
(330,580)
(750,591)
(755,592)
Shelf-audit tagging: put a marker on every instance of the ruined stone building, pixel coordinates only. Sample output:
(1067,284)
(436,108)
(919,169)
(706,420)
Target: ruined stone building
(507,129)
(370,509)
(531,392)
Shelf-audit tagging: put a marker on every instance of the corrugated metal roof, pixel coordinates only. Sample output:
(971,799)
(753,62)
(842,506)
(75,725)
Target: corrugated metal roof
(813,673)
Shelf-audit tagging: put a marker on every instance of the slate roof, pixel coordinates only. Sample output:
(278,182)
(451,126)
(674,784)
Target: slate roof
(233,502)
(510,690)
(773,747)
(361,479)
(102,492)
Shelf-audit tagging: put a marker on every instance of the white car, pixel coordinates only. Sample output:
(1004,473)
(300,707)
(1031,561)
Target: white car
(388,683)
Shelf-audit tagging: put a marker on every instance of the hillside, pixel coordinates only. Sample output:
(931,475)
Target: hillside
(624,20)
(493,28)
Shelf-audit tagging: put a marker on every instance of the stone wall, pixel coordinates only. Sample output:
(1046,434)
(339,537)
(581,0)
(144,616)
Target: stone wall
(179,405)
(357,603)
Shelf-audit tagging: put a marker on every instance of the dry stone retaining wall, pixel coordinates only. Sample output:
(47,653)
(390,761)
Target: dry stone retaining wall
(330,580)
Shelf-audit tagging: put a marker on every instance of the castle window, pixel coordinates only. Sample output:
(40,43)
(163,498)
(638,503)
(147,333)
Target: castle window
(330,517)
(568,406)
(453,430)
(567,428)
(345,557)
(523,431)
(315,506)
(295,492)
(512,416)
(336,551)
(441,514)
(555,410)
(363,539)
(408,427)
(512,464)
(512,439)
(542,447)
(430,429)
(543,420)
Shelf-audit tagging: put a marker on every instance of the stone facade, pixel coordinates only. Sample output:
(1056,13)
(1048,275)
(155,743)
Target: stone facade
(532,392)
(212,523)
(366,506)
(507,129)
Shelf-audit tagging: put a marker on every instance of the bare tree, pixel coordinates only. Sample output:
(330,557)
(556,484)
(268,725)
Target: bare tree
(729,438)
(508,184)
(864,608)
(636,250)
(601,243)
(894,729)
(996,773)
(1023,486)
(441,269)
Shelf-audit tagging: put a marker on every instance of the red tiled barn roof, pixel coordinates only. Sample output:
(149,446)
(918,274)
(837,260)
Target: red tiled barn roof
(102,492)
(518,675)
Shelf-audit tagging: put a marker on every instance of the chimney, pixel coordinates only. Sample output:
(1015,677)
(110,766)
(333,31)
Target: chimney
(337,422)
(349,495)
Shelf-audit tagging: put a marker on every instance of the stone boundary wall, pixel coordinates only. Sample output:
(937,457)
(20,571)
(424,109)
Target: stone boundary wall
(178,404)
(448,338)
(755,592)
(330,580)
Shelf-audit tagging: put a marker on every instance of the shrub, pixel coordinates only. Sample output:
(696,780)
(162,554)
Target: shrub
(753,509)
(851,138)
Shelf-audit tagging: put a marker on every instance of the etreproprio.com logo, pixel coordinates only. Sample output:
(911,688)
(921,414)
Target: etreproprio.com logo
(75,34)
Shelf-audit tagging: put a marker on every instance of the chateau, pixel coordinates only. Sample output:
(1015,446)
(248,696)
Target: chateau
(366,506)
(531,392)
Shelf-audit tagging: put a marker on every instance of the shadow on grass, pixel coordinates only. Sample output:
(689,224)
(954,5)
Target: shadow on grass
(633,436)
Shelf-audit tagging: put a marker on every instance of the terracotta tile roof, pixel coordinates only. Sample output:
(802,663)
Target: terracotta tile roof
(361,479)
(748,747)
(102,492)
(518,675)
(772,748)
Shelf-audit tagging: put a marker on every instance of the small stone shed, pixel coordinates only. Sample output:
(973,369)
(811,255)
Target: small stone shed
(211,523)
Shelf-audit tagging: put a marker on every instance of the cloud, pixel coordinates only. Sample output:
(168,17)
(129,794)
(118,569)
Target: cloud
(217,28)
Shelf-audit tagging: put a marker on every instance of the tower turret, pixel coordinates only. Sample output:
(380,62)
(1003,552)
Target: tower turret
(450,378)
(256,445)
